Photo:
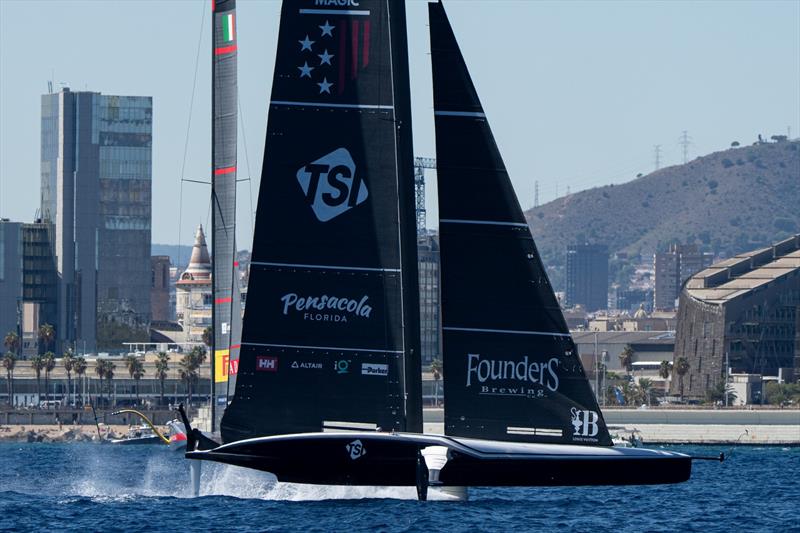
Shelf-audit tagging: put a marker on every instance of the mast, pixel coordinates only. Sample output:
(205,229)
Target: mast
(223,192)
(512,370)
(330,338)
(407,215)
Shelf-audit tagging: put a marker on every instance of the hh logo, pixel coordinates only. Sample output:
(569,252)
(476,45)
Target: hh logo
(356,450)
(266,364)
(584,423)
(331,185)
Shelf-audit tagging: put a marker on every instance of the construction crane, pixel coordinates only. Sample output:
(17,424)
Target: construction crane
(420,164)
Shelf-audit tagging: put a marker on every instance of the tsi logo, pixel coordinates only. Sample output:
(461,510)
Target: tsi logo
(266,364)
(584,423)
(331,184)
(356,449)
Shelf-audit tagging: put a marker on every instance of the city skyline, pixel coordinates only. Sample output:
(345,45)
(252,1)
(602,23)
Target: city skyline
(604,81)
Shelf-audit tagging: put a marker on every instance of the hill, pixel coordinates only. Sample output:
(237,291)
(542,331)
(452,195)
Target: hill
(726,202)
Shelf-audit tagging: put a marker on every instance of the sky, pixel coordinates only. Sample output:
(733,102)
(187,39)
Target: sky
(578,94)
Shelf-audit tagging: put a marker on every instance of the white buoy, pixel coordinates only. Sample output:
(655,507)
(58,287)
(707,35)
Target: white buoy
(194,469)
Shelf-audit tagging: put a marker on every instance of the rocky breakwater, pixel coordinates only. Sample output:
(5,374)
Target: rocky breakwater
(55,433)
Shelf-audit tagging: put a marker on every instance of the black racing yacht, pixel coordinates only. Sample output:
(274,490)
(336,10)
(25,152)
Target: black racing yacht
(328,384)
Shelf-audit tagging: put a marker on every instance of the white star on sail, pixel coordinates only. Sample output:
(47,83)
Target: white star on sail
(327,29)
(325,86)
(305,70)
(306,44)
(325,57)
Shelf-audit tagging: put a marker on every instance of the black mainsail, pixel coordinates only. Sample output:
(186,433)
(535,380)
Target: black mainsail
(512,371)
(331,335)
(226,310)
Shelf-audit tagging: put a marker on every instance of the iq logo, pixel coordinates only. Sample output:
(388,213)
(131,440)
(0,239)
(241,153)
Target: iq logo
(331,185)
(342,366)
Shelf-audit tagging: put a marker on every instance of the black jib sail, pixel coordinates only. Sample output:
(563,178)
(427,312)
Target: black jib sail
(512,371)
(331,337)
(226,304)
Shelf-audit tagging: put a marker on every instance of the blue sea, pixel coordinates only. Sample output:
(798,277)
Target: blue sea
(90,487)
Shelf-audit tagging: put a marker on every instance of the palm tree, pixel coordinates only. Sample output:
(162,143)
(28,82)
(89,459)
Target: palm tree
(69,365)
(11,342)
(208,335)
(136,371)
(9,362)
(46,335)
(110,375)
(101,369)
(436,369)
(665,369)
(162,366)
(646,388)
(37,364)
(79,366)
(188,367)
(49,359)
(626,358)
(681,368)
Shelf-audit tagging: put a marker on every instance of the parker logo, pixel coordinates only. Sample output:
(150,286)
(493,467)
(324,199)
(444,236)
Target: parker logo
(584,423)
(372,369)
(331,185)
(326,308)
(356,449)
(266,364)
(512,377)
(342,366)
(306,365)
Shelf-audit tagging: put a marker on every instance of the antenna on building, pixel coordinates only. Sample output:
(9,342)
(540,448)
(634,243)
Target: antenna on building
(657,155)
(685,141)
(536,194)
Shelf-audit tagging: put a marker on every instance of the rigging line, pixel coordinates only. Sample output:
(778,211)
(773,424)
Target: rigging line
(189,125)
(247,162)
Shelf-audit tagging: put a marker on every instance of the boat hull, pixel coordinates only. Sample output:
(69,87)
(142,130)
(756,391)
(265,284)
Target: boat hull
(359,458)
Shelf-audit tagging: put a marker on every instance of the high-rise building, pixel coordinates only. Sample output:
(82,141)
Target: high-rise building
(96,193)
(160,288)
(672,269)
(27,282)
(587,276)
(429,297)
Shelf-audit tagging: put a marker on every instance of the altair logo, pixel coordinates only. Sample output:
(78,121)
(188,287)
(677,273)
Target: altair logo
(331,185)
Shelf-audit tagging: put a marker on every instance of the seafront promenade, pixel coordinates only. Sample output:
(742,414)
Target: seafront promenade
(654,425)
(690,426)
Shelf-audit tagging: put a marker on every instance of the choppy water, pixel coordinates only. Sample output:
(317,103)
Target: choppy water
(87,487)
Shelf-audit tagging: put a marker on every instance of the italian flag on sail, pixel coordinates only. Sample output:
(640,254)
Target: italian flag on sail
(228,28)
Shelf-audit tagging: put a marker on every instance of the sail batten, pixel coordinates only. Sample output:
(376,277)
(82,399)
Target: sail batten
(512,371)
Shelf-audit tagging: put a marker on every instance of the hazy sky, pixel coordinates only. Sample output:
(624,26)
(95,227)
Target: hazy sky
(577,93)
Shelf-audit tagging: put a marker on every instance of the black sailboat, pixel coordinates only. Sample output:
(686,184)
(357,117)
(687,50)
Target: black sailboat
(328,388)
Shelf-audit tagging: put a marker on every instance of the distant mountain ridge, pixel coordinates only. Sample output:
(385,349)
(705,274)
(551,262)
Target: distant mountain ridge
(726,202)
